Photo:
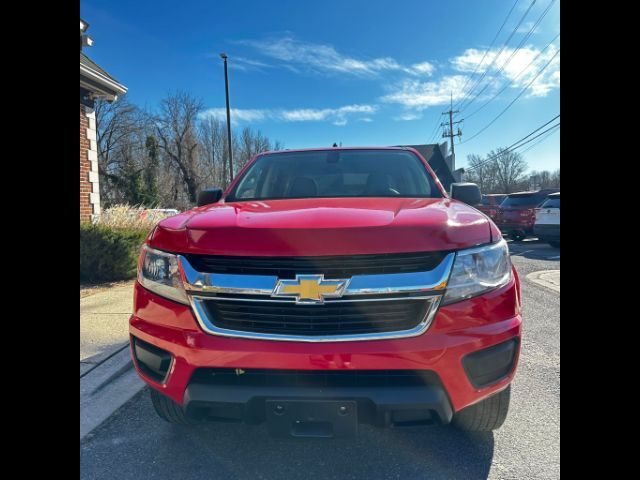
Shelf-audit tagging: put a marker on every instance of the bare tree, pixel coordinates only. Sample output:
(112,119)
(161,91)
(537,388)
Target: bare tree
(510,169)
(176,131)
(250,144)
(211,133)
(123,164)
(166,158)
(543,179)
(114,123)
(481,172)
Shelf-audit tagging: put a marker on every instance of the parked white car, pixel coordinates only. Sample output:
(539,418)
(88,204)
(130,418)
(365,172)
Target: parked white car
(547,223)
(157,214)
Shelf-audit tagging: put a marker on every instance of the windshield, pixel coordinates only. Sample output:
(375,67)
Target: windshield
(492,200)
(553,202)
(336,173)
(521,201)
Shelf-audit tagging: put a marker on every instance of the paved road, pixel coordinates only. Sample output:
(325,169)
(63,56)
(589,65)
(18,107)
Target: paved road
(135,444)
(534,249)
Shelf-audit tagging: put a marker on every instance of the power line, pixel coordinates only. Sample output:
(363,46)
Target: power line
(512,81)
(513,54)
(507,150)
(514,146)
(554,130)
(539,128)
(435,129)
(498,55)
(514,100)
(490,46)
(523,138)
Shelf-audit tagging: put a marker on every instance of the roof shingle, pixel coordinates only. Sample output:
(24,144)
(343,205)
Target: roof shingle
(87,62)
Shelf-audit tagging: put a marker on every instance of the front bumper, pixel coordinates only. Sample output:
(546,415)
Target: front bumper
(376,404)
(457,330)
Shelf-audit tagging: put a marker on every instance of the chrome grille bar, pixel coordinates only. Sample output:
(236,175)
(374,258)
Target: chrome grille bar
(209,326)
(392,283)
(428,287)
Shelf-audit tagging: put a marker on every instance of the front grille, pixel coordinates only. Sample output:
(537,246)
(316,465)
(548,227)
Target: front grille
(330,318)
(331,267)
(313,378)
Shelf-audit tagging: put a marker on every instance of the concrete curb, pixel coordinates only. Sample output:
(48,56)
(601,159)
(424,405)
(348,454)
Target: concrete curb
(547,278)
(106,388)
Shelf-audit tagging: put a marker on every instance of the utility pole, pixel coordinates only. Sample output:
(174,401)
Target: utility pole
(449,133)
(229,146)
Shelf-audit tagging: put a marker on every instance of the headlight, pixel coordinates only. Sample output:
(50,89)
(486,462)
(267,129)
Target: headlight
(159,272)
(478,270)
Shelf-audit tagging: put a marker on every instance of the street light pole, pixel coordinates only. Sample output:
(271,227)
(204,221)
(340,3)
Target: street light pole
(226,88)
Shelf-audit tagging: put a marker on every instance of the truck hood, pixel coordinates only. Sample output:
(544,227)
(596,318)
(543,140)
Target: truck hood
(327,226)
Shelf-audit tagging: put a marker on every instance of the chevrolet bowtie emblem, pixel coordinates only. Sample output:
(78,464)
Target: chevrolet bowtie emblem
(310,288)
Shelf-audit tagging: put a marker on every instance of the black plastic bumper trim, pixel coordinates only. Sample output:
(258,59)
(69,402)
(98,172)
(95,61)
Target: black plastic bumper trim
(382,406)
(490,365)
(151,360)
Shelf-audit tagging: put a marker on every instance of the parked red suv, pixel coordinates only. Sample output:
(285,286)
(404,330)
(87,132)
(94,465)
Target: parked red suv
(328,288)
(516,214)
(491,203)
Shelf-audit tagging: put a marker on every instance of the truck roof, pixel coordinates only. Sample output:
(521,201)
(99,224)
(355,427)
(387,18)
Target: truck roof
(319,149)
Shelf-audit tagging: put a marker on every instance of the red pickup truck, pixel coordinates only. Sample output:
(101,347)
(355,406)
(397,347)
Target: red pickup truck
(325,289)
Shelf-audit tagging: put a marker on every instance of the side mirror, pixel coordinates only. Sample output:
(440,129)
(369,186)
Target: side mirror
(468,193)
(209,195)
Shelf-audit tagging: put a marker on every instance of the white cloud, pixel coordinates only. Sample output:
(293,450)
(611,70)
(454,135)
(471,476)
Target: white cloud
(415,87)
(419,95)
(243,63)
(425,68)
(338,116)
(305,114)
(408,116)
(521,69)
(237,114)
(324,58)
(514,70)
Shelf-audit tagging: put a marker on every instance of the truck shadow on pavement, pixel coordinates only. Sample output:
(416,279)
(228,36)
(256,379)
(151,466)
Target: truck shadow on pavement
(137,444)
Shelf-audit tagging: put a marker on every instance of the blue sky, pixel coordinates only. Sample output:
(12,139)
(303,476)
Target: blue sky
(357,72)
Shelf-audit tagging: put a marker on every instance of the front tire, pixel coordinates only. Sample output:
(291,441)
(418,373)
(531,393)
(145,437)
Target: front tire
(487,415)
(169,410)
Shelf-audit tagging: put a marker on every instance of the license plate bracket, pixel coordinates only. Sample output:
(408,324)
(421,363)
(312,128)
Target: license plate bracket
(312,418)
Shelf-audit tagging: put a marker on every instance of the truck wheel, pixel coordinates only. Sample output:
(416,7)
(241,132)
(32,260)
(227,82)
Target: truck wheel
(169,410)
(486,415)
(517,236)
(554,243)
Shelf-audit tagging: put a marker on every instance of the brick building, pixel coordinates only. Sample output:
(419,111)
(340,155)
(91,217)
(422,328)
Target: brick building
(95,83)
